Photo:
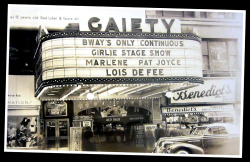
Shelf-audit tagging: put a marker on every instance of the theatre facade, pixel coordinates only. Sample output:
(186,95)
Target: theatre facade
(129,74)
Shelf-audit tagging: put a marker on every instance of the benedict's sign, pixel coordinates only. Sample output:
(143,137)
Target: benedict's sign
(212,91)
(193,109)
(136,25)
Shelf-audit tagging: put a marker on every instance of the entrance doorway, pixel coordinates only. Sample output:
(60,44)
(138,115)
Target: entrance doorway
(57,134)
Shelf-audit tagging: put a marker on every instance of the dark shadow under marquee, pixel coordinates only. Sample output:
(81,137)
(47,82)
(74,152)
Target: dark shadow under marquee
(136,80)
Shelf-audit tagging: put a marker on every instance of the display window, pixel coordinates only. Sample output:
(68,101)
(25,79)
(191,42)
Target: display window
(22,131)
(55,108)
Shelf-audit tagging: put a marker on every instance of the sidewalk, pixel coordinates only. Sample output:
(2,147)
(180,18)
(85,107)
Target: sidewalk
(120,147)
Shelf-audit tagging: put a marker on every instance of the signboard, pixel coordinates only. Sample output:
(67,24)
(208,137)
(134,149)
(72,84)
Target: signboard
(126,24)
(21,90)
(193,109)
(120,58)
(212,91)
(218,55)
(55,108)
(149,130)
(58,17)
(76,138)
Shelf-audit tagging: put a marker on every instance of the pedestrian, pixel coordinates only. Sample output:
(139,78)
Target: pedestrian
(133,136)
(192,129)
(159,132)
(88,135)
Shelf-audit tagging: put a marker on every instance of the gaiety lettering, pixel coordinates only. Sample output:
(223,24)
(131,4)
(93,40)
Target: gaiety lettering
(213,91)
(135,25)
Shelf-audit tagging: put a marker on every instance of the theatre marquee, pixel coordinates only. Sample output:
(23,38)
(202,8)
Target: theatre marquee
(105,57)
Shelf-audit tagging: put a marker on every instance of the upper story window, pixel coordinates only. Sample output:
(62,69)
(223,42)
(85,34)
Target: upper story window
(190,14)
(220,15)
(170,14)
(219,55)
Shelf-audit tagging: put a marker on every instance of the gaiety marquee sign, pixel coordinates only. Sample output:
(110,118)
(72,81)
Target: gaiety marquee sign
(122,48)
(136,25)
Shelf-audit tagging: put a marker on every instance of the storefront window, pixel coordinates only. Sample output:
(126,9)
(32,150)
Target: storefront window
(22,132)
(55,108)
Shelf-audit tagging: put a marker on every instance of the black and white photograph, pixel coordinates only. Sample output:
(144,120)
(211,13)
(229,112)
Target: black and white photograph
(124,81)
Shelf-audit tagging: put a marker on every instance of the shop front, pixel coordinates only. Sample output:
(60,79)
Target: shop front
(212,102)
(23,114)
(111,82)
(115,120)
(110,121)
(57,120)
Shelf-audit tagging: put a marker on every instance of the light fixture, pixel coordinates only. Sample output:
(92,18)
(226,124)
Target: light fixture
(41,92)
(72,91)
(90,96)
(169,94)
(53,91)
(50,94)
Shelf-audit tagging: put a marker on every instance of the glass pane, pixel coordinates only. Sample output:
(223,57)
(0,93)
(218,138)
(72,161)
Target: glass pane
(215,15)
(70,72)
(63,128)
(205,63)
(233,62)
(63,133)
(59,73)
(77,124)
(204,48)
(63,143)
(57,52)
(69,61)
(57,62)
(51,143)
(51,134)
(222,130)
(188,14)
(218,55)
(173,13)
(203,15)
(51,129)
(58,108)
(232,47)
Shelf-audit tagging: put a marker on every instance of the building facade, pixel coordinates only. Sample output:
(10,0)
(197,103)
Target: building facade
(122,76)
(222,59)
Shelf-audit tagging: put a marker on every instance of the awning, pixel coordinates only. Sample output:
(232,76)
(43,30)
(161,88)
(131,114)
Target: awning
(109,91)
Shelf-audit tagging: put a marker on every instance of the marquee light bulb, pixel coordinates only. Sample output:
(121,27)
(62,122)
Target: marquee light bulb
(169,94)
(90,96)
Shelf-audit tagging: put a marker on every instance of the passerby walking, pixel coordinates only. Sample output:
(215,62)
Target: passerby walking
(88,145)
(159,132)
(192,129)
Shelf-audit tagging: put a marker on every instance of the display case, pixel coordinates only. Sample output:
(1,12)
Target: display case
(83,121)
